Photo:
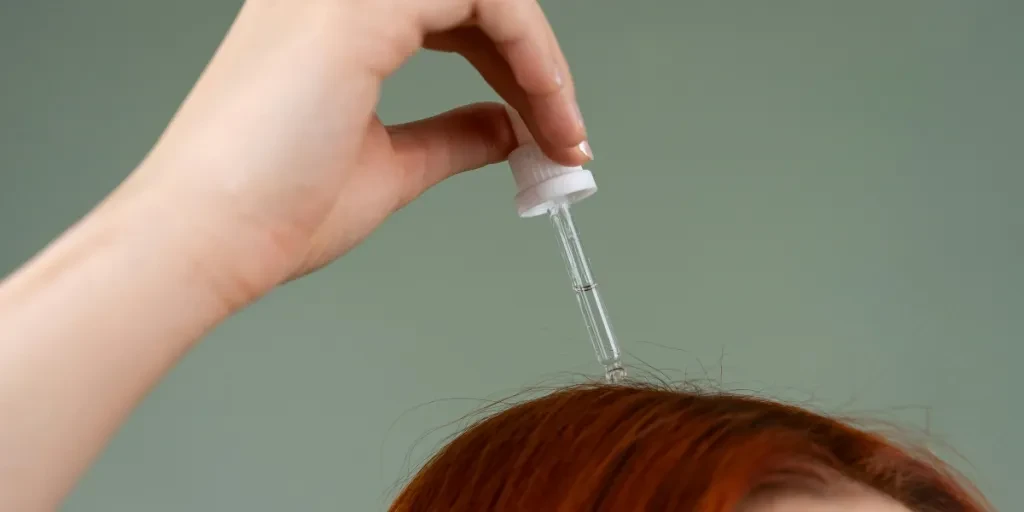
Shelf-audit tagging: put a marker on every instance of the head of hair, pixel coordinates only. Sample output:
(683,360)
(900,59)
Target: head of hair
(630,448)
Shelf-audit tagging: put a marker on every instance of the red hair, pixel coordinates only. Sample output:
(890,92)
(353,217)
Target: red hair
(630,448)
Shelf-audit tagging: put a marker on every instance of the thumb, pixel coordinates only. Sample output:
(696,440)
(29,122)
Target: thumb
(462,139)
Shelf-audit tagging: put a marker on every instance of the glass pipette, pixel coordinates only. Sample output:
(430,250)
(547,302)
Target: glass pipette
(548,187)
(595,316)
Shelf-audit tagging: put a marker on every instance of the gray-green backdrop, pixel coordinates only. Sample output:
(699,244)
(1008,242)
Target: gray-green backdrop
(814,200)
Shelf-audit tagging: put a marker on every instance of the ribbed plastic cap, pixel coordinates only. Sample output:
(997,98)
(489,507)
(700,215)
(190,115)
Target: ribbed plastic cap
(542,182)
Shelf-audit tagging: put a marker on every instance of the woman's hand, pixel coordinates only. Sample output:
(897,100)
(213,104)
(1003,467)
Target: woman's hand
(277,153)
(274,165)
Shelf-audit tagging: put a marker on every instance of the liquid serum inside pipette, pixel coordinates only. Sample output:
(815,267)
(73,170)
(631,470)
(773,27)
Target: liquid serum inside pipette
(595,315)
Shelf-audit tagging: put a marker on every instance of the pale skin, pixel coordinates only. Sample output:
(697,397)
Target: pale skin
(841,497)
(274,166)
(865,501)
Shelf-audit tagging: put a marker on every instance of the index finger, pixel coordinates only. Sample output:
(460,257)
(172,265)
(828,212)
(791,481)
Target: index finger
(523,36)
(522,60)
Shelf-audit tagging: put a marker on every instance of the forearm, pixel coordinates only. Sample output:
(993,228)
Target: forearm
(86,329)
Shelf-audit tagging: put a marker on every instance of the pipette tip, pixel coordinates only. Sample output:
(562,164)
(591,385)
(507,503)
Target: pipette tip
(614,373)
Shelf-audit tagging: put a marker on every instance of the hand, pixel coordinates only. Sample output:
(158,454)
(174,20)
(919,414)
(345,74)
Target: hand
(274,165)
(277,152)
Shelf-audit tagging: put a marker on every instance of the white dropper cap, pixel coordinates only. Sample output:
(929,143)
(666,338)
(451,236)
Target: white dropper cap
(542,182)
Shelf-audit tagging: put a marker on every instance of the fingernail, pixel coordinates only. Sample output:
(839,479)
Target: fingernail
(584,148)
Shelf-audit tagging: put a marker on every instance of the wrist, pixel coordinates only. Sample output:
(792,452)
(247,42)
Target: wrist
(197,243)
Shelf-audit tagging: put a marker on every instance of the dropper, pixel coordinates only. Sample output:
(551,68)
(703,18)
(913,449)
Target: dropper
(547,187)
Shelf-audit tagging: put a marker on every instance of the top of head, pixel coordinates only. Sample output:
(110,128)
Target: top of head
(764,455)
(543,183)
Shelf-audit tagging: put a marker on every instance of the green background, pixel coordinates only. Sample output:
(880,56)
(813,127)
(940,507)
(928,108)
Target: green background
(818,201)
